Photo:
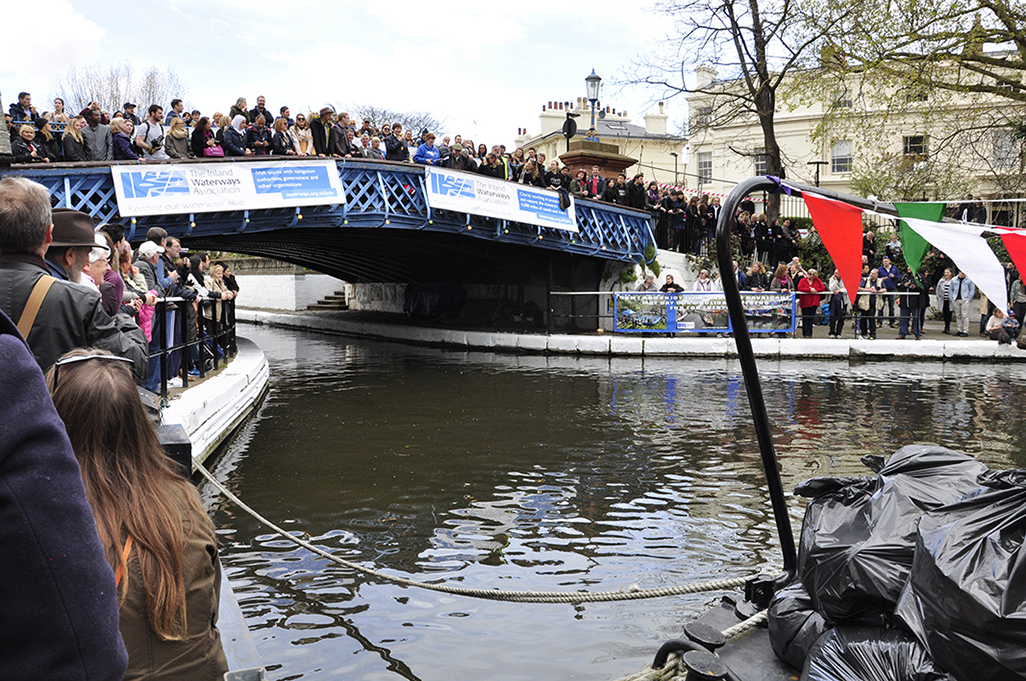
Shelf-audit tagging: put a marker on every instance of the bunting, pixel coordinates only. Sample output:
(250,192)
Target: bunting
(913,246)
(840,227)
(1015,244)
(964,243)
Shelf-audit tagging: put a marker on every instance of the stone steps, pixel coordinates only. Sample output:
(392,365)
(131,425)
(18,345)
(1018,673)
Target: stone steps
(335,301)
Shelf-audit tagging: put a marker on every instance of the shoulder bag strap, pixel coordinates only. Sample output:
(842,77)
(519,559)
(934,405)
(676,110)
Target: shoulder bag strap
(124,555)
(28,315)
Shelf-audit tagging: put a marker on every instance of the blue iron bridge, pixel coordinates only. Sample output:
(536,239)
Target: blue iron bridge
(386,231)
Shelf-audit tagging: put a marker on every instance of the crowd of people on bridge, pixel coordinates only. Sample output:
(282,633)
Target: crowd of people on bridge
(96,135)
(118,559)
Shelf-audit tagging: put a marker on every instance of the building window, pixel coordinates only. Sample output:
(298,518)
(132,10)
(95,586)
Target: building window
(760,163)
(842,100)
(915,145)
(705,166)
(917,96)
(840,157)
(1005,153)
(703,116)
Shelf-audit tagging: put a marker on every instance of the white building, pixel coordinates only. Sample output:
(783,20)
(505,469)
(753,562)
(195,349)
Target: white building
(651,145)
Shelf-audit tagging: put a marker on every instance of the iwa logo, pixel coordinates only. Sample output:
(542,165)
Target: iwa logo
(148,183)
(447,185)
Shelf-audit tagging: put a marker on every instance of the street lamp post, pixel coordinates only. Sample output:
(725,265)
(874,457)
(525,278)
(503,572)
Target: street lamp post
(674,155)
(594,83)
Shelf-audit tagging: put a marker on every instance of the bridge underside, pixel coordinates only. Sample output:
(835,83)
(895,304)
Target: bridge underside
(374,255)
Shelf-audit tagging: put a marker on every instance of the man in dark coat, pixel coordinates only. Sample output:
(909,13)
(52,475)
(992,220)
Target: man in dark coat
(70,315)
(320,128)
(60,609)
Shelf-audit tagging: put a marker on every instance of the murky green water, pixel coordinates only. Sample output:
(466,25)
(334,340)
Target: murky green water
(542,473)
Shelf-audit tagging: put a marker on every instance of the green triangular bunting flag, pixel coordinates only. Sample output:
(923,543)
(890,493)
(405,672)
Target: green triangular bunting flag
(914,246)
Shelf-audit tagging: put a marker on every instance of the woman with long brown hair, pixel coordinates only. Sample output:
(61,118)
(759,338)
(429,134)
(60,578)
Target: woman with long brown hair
(159,541)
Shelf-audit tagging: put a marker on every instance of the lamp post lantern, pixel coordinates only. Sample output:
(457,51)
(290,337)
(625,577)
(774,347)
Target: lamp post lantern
(594,83)
(674,155)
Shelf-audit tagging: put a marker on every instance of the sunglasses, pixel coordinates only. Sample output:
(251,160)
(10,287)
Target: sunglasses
(82,358)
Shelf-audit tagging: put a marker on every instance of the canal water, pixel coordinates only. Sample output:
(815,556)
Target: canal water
(541,473)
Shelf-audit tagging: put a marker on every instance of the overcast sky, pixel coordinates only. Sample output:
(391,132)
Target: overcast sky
(485,68)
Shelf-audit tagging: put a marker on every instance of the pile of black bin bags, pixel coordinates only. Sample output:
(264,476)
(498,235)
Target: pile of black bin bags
(917,573)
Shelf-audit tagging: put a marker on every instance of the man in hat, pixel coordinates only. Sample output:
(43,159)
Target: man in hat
(130,113)
(320,128)
(458,160)
(54,313)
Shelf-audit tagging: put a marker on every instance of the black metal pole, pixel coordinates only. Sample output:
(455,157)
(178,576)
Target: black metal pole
(748,367)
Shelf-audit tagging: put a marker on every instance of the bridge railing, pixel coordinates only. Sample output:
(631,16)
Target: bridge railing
(379,194)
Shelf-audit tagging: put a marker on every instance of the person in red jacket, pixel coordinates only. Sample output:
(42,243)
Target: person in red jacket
(809,299)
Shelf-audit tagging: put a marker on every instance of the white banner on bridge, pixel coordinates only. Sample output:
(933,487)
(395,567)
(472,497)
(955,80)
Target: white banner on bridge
(210,187)
(480,195)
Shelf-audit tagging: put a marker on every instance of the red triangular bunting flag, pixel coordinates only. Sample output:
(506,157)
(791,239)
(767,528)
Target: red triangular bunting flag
(840,227)
(1015,244)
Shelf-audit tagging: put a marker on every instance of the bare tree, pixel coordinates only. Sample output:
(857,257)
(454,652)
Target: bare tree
(116,84)
(410,120)
(752,48)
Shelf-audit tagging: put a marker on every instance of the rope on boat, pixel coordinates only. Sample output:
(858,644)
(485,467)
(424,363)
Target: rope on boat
(674,670)
(488,594)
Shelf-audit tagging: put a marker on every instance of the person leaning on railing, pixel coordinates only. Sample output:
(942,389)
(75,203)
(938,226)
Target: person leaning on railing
(176,142)
(76,148)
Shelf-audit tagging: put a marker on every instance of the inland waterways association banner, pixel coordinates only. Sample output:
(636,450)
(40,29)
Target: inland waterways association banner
(210,187)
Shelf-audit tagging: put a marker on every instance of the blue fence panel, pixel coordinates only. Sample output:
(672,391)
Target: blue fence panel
(701,312)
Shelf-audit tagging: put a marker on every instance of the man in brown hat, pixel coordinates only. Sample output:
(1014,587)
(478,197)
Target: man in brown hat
(73,239)
(53,313)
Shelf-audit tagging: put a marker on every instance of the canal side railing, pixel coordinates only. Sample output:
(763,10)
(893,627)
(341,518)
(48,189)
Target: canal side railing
(213,344)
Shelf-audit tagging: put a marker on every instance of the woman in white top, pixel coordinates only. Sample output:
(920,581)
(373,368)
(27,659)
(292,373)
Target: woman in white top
(302,137)
(703,283)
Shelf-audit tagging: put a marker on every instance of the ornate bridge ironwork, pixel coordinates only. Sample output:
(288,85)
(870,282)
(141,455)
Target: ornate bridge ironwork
(388,198)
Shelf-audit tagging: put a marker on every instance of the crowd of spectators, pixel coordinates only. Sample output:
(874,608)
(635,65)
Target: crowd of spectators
(889,293)
(95,135)
(99,292)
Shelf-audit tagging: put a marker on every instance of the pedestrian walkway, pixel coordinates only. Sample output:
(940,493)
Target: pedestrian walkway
(935,345)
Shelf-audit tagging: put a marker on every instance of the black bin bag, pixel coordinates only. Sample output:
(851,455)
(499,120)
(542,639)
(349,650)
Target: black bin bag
(794,626)
(966,593)
(859,533)
(870,654)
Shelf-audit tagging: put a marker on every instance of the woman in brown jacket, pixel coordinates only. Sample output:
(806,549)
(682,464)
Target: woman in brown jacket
(159,541)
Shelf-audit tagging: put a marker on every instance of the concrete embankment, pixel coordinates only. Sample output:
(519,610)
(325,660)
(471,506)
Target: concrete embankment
(945,348)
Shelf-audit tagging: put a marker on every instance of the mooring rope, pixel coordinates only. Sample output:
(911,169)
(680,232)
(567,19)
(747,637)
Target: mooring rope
(489,594)
(674,670)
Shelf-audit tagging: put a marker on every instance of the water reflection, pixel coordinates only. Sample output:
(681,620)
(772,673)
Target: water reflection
(542,473)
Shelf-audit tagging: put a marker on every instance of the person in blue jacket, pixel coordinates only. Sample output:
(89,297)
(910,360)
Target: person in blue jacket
(60,609)
(427,153)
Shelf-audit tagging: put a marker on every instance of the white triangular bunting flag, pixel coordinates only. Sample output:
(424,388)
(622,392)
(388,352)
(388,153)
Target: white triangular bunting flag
(965,244)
